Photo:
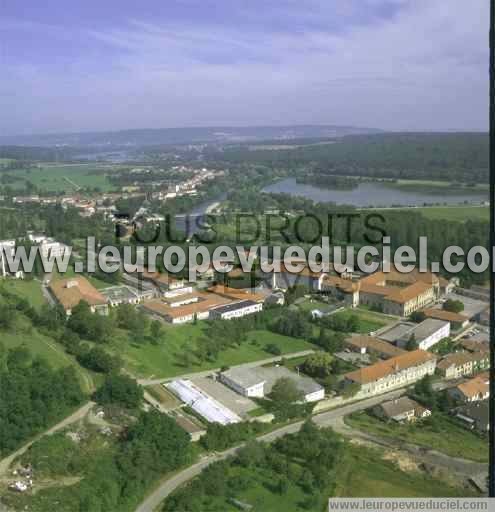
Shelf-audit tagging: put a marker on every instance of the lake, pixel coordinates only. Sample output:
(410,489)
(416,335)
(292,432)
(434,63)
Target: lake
(374,194)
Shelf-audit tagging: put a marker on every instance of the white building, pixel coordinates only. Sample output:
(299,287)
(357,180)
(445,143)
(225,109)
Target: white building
(246,382)
(426,334)
(259,381)
(202,403)
(236,310)
(117,295)
(50,248)
(36,238)
(393,373)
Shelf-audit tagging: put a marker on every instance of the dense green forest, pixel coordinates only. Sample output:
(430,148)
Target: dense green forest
(308,460)
(441,156)
(33,396)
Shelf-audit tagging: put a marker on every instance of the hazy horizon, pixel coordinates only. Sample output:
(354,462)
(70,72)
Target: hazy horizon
(393,65)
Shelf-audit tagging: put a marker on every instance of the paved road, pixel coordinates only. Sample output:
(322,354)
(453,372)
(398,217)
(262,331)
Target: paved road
(76,416)
(322,419)
(253,364)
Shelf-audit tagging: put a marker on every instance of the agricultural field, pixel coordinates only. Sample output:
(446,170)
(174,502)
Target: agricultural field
(61,178)
(460,213)
(457,213)
(166,359)
(438,432)
(442,187)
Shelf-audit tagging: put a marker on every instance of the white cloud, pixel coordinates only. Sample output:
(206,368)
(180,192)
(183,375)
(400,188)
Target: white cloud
(425,67)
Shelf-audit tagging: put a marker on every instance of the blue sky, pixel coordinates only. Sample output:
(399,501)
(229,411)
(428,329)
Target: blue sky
(391,64)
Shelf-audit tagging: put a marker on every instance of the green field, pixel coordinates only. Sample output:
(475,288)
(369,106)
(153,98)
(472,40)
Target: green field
(62,178)
(164,360)
(23,334)
(368,320)
(441,187)
(458,213)
(27,289)
(438,433)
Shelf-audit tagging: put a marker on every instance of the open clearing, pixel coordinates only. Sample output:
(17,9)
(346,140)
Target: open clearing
(438,433)
(165,359)
(63,178)
(368,475)
(27,289)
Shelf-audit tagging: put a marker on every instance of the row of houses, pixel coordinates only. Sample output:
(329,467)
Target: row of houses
(462,364)
(473,414)
(393,373)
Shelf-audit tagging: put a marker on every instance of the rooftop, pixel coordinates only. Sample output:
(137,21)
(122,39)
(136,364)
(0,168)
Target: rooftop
(390,366)
(478,411)
(234,306)
(237,293)
(400,406)
(442,314)
(461,358)
(206,301)
(476,345)
(397,331)
(398,286)
(119,292)
(426,328)
(478,386)
(247,377)
(375,344)
(69,292)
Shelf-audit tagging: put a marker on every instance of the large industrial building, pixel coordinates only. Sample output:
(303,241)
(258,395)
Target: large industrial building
(259,381)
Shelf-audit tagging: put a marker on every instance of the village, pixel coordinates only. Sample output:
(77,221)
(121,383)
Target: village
(438,331)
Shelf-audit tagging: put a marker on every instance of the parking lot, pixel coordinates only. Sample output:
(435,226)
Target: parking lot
(472,307)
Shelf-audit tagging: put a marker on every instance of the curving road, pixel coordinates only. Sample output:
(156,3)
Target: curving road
(323,419)
(75,416)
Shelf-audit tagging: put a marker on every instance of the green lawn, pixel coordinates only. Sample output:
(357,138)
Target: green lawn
(439,433)
(28,289)
(63,178)
(368,320)
(36,342)
(163,360)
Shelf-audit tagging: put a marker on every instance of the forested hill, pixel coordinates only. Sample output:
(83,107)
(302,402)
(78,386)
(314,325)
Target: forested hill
(192,135)
(442,156)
